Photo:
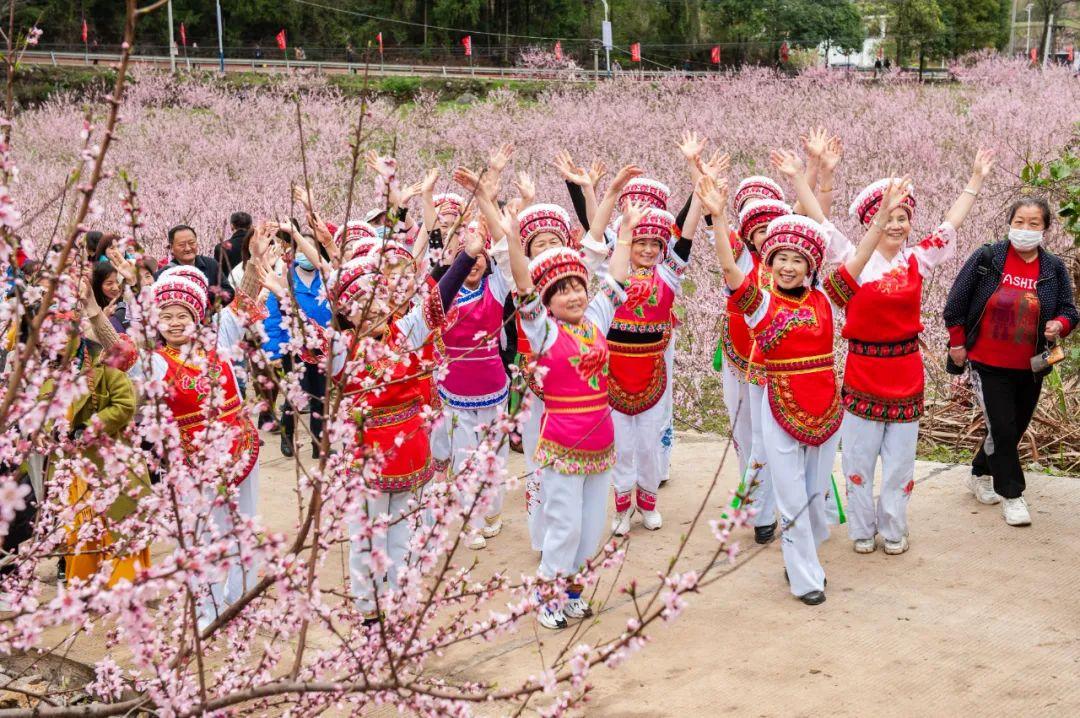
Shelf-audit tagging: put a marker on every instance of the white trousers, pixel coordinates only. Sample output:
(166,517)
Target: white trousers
(394,543)
(800,477)
(863,442)
(762,497)
(462,426)
(238,579)
(534,487)
(575,517)
(439,440)
(667,437)
(637,461)
(737,401)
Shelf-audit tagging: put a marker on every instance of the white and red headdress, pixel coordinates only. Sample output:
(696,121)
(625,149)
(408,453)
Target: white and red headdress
(538,218)
(644,191)
(758,212)
(656,224)
(557,263)
(357,277)
(449,203)
(181,289)
(868,202)
(757,187)
(797,233)
(187,272)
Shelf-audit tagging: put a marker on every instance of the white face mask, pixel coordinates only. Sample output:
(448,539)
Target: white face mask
(1025,240)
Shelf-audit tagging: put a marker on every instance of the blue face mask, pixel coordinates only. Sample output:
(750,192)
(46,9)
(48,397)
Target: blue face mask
(382,232)
(304,263)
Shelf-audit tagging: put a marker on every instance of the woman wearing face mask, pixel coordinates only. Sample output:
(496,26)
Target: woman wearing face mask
(1011,300)
(576,449)
(883,378)
(792,321)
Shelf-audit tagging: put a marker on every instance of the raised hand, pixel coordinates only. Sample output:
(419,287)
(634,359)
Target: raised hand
(895,194)
(123,267)
(816,142)
(383,166)
(427,186)
(508,223)
(302,196)
(466,178)
(717,166)
(597,170)
(570,171)
(631,218)
(713,194)
(625,174)
(984,162)
(525,188)
(787,162)
(409,192)
(500,156)
(834,151)
(488,188)
(263,238)
(691,145)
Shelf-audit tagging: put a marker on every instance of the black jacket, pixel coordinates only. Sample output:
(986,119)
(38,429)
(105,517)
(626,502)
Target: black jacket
(228,253)
(216,279)
(979,279)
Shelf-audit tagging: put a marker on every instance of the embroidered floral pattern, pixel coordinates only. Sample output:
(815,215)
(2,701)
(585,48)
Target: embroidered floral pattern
(800,424)
(902,410)
(569,461)
(591,364)
(785,320)
(884,349)
(840,287)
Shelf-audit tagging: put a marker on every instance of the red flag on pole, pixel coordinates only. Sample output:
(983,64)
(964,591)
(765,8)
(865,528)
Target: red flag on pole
(635,52)
(784,52)
(183,35)
(84,31)
(466,42)
(715,55)
(558,49)
(379,38)
(280,37)
(1034,55)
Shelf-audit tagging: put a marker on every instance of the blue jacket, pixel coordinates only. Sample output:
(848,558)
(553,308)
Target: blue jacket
(979,279)
(307,299)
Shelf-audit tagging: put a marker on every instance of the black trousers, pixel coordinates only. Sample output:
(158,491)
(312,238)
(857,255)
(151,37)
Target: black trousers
(21,527)
(1008,398)
(313,382)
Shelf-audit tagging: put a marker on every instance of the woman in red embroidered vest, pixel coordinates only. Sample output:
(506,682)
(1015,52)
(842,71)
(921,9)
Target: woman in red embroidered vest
(638,342)
(204,396)
(882,393)
(385,395)
(792,321)
(576,449)
(743,372)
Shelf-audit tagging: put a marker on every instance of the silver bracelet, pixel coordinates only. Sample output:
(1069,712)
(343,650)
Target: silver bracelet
(971,192)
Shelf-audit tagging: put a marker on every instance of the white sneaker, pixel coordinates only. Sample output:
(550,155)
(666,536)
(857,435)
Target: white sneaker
(895,548)
(551,618)
(1016,512)
(492,529)
(620,525)
(651,520)
(865,545)
(983,489)
(476,541)
(577,608)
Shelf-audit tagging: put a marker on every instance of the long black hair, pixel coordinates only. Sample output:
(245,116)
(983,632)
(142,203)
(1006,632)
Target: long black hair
(102,271)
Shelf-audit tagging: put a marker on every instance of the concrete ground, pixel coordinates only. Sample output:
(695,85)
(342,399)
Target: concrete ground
(978,618)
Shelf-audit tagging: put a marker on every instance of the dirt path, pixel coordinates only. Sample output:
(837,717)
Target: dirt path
(977,617)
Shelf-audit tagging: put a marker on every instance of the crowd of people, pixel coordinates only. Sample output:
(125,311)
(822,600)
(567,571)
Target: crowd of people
(496,311)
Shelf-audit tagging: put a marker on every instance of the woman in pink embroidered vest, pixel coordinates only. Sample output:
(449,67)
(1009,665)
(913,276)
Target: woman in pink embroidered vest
(475,387)
(883,378)
(576,449)
(638,342)
(792,323)
(204,396)
(541,227)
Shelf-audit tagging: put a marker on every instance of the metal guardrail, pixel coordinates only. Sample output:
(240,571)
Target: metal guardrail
(396,70)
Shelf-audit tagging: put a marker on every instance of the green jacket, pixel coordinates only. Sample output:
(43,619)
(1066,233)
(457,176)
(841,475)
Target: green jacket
(112,401)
